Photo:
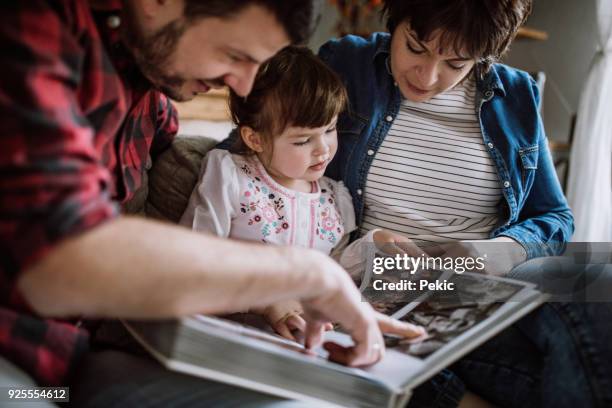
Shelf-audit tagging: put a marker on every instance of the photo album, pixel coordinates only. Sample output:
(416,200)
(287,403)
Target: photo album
(247,355)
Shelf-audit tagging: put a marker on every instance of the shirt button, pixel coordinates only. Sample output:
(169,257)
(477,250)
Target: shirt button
(359,191)
(490,145)
(389,118)
(370,152)
(488,94)
(395,83)
(506,184)
(113,21)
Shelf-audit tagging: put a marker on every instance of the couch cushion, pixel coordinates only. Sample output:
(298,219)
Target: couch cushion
(174,175)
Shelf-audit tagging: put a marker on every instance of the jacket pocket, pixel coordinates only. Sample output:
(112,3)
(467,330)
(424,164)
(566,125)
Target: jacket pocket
(529,161)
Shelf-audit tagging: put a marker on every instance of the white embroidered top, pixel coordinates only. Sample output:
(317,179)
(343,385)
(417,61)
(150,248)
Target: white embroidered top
(236,198)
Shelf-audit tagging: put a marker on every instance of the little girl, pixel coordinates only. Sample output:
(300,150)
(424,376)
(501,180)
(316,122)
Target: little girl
(270,187)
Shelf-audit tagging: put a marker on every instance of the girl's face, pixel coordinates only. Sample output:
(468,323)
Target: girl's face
(301,154)
(423,69)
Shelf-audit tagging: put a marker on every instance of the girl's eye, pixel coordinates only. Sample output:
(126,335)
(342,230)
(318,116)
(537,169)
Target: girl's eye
(331,130)
(455,67)
(301,143)
(413,50)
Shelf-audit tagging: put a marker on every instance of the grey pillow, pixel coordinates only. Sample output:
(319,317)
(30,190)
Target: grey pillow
(174,175)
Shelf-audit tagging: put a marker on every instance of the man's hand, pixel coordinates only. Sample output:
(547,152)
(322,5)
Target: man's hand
(389,325)
(341,302)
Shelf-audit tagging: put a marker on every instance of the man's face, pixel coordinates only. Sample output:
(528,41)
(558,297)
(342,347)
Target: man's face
(183,59)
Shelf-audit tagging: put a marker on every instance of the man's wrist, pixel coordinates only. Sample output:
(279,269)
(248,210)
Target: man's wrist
(316,272)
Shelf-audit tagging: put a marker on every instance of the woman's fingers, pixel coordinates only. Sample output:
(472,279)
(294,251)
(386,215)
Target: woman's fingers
(409,247)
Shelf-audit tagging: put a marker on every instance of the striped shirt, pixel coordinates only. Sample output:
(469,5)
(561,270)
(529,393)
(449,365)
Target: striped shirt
(432,178)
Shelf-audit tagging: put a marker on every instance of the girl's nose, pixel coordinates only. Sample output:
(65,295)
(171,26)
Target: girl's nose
(321,149)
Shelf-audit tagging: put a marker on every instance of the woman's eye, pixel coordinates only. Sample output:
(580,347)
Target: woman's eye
(456,67)
(413,50)
(331,130)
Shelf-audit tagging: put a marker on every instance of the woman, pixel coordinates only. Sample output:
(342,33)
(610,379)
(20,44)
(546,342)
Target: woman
(441,145)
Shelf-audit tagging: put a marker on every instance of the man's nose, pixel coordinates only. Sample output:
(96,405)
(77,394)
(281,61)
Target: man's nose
(241,81)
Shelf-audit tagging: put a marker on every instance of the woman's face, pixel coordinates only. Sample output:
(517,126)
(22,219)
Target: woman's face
(423,69)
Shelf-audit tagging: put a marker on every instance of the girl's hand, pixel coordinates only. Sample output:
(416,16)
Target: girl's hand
(286,319)
(392,243)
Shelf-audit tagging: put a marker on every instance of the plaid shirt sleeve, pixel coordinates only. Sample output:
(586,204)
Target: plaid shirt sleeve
(52,180)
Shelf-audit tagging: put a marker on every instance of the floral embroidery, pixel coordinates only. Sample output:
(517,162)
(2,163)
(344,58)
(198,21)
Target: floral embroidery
(270,214)
(329,223)
(265,207)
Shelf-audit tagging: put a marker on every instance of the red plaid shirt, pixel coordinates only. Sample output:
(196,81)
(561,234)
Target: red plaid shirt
(78,122)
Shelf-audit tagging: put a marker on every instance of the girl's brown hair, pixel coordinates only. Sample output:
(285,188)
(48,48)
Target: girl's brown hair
(294,88)
(482,28)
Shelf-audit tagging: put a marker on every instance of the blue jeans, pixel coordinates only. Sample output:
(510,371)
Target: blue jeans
(559,355)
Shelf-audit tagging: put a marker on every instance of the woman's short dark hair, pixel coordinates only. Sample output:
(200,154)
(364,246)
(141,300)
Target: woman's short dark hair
(294,88)
(482,28)
(298,17)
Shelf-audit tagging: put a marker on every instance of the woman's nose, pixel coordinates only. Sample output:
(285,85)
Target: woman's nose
(427,74)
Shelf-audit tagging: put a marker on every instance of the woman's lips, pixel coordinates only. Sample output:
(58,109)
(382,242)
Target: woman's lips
(416,90)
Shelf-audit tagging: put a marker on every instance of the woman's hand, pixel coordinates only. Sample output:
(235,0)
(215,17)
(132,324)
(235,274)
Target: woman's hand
(500,254)
(392,243)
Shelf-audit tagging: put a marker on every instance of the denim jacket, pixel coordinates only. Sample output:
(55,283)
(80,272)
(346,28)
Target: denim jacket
(534,211)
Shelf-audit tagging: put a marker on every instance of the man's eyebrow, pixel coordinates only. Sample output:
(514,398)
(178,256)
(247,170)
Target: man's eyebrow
(244,56)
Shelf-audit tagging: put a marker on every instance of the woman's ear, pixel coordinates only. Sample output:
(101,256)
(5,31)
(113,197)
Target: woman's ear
(252,139)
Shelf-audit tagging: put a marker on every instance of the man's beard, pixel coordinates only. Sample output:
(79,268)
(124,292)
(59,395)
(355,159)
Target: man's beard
(153,53)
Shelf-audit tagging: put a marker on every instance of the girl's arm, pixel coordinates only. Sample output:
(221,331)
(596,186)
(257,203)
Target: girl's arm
(213,202)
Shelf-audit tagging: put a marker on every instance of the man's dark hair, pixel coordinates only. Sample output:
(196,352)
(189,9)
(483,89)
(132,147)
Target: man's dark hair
(482,28)
(298,17)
